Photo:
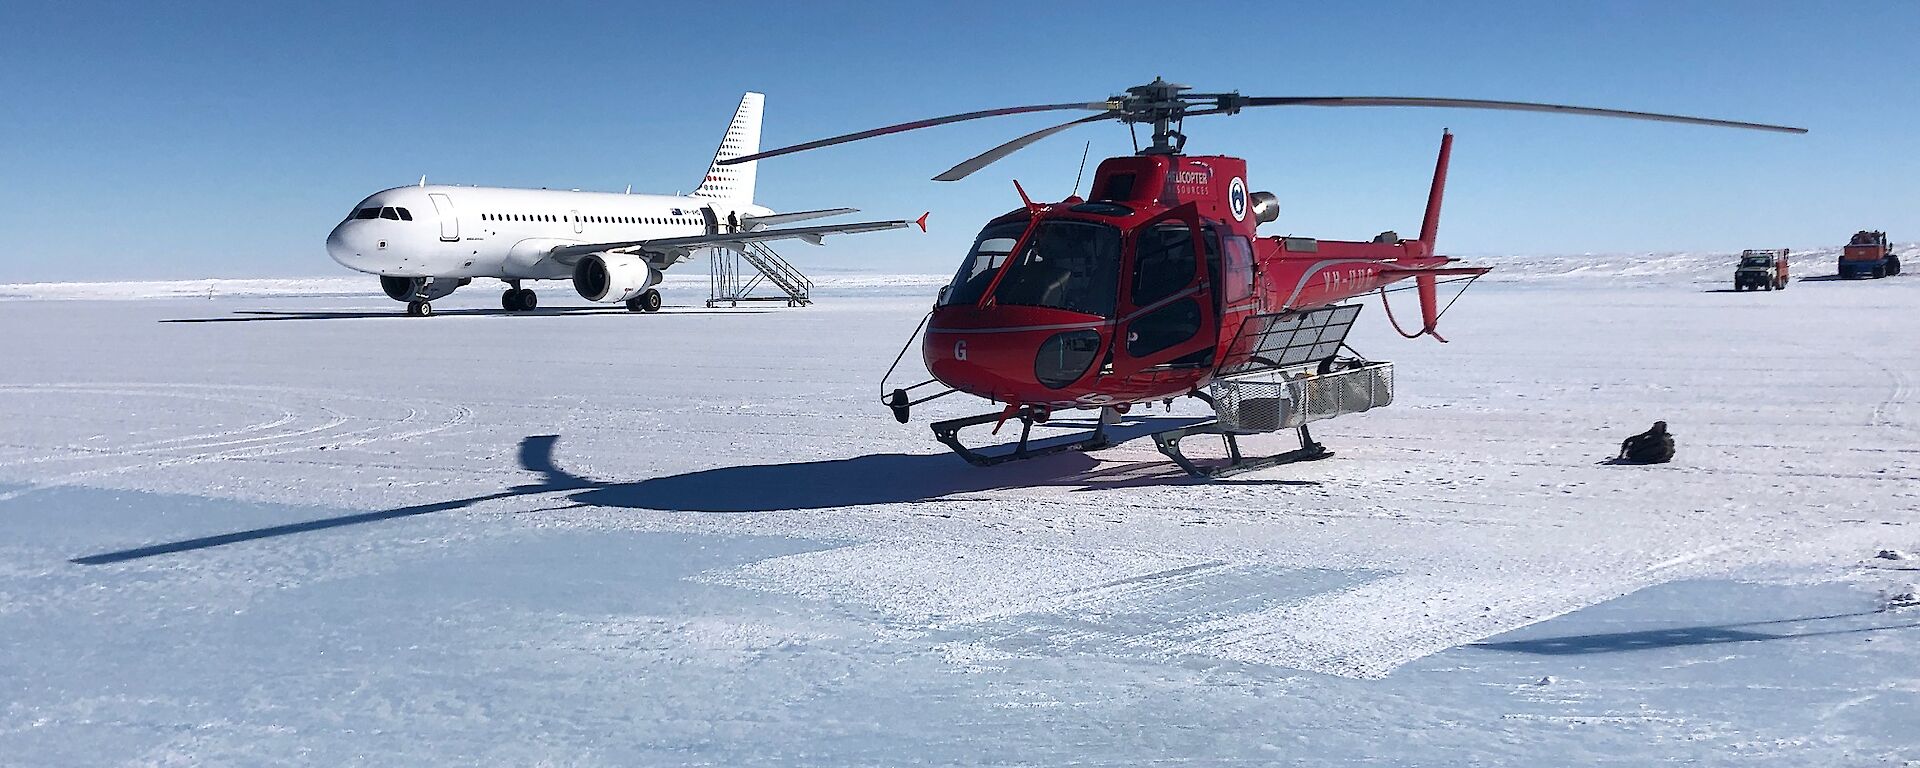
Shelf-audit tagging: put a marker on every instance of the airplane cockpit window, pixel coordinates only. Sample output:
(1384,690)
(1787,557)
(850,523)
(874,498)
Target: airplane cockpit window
(389,213)
(405,215)
(367,213)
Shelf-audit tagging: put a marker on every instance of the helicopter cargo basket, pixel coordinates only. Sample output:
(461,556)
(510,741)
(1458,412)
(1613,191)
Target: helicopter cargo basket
(1269,401)
(1274,399)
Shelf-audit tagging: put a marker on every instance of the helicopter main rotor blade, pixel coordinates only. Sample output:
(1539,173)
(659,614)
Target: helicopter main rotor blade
(988,157)
(1517,106)
(915,125)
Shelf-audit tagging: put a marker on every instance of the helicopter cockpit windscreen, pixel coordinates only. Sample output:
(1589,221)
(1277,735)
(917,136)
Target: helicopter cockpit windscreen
(983,262)
(1071,265)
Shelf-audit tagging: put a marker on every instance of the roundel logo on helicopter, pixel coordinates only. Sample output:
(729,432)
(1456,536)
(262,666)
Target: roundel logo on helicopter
(1237,198)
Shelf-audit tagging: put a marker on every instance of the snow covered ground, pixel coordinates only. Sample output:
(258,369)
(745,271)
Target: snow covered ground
(287,524)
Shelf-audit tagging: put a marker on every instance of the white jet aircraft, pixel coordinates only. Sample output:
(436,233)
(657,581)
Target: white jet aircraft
(424,241)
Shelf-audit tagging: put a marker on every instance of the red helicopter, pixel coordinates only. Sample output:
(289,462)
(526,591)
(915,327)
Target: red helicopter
(1156,286)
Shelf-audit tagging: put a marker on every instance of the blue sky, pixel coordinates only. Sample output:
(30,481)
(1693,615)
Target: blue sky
(139,140)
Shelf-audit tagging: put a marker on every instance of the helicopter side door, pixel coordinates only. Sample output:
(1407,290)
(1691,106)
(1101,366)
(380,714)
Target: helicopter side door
(1167,315)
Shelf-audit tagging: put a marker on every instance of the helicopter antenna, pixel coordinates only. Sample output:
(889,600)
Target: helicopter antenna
(1083,167)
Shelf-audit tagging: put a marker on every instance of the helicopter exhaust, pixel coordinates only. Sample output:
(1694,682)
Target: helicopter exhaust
(1266,207)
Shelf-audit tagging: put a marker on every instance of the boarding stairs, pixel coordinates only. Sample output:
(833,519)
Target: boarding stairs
(725,285)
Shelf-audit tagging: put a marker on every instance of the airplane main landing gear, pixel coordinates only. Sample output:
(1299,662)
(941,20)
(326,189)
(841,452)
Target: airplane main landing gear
(419,309)
(645,302)
(519,300)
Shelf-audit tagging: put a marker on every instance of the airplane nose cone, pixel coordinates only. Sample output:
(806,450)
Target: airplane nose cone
(342,247)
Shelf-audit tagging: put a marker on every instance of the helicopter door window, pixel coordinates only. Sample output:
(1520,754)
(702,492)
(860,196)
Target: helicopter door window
(1238,282)
(1163,267)
(1211,240)
(1162,264)
(1163,328)
(1070,265)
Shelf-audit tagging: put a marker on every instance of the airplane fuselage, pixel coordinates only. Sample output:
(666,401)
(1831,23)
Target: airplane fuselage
(433,231)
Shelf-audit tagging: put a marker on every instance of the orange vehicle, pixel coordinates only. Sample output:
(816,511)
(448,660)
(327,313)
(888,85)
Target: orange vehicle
(1761,271)
(1868,254)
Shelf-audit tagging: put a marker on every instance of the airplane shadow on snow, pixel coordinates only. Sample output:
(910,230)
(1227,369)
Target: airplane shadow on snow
(888,478)
(261,315)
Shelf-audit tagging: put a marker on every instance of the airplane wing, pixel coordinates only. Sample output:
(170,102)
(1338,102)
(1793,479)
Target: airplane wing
(671,249)
(755,222)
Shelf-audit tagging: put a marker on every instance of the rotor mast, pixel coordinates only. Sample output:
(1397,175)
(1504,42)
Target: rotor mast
(1166,106)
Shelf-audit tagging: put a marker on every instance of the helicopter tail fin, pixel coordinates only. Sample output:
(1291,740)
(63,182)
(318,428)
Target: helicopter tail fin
(1427,284)
(1430,224)
(735,182)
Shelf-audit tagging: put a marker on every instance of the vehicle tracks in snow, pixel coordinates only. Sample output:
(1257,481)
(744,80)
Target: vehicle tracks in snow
(305,420)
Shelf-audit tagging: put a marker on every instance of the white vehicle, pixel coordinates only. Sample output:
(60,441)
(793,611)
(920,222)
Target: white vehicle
(425,241)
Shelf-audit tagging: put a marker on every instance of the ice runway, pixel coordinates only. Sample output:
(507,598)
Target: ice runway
(292,525)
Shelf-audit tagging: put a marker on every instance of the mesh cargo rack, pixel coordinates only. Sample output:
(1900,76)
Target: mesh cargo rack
(1274,399)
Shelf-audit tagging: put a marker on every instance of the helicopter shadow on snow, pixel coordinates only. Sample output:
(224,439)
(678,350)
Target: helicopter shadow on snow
(886,478)
(890,478)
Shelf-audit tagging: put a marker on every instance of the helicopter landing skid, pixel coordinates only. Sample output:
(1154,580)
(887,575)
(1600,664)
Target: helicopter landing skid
(1169,443)
(948,433)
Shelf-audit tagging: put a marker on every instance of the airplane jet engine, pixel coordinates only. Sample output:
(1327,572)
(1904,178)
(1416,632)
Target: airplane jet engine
(613,277)
(417,289)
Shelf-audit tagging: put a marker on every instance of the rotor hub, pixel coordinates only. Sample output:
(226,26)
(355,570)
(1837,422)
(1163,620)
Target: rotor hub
(1165,106)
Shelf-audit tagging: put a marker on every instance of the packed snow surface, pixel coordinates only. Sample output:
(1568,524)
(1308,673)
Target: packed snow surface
(255,522)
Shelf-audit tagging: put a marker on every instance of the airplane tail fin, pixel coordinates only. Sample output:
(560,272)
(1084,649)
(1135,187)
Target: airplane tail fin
(735,182)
